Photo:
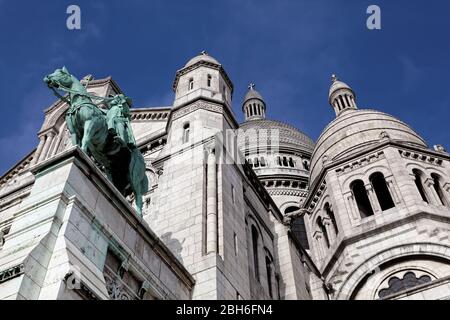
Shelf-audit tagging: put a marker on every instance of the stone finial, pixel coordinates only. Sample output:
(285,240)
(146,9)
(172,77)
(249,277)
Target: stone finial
(334,78)
(251,86)
(204,53)
(439,148)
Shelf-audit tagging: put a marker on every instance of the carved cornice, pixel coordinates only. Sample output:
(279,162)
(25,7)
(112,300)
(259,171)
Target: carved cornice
(317,196)
(287,192)
(418,156)
(359,163)
(20,168)
(149,114)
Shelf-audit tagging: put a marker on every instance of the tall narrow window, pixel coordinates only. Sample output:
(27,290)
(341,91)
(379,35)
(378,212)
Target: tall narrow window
(381,190)
(233,199)
(285,162)
(269,275)
(208,82)
(235,242)
(291,162)
(279,160)
(255,251)
(306,165)
(263,162)
(361,198)
(324,232)
(419,184)
(330,214)
(438,187)
(191,84)
(186,131)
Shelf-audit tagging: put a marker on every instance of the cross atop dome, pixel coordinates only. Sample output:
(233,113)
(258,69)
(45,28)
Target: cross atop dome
(204,53)
(334,78)
(251,86)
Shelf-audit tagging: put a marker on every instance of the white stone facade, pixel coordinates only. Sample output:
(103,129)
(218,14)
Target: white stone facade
(235,211)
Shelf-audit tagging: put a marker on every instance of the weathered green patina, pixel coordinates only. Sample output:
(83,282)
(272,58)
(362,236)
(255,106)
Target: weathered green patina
(104,135)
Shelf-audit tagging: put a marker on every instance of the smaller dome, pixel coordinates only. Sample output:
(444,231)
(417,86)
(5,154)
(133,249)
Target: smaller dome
(337,85)
(203,56)
(356,130)
(252,94)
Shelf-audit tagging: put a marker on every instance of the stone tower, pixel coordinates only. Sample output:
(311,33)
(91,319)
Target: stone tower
(208,206)
(280,155)
(377,212)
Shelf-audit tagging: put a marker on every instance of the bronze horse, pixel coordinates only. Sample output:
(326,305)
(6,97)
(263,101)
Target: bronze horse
(88,126)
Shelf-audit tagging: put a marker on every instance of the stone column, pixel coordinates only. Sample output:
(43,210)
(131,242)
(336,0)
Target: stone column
(330,229)
(446,191)
(392,191)
(39,150)
(373,199)
(434,197)
(319,245)
(352,206)
(211,202)
(48,142)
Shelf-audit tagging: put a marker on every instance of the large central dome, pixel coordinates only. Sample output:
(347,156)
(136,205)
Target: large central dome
(289,136)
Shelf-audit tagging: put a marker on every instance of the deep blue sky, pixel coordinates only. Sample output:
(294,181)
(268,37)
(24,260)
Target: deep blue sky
(288,48)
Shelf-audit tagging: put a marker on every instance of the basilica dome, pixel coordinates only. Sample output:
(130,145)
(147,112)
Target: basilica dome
(288,135)
(356,129)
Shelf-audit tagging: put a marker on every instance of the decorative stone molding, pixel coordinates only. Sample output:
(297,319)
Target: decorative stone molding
(362,162)
(318,195)
(12,272)
(421,157)
(145,115)
(196,106)
(287,192)
(118,289)
(16,171)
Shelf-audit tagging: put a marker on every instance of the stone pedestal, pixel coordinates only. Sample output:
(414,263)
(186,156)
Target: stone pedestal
(73,223)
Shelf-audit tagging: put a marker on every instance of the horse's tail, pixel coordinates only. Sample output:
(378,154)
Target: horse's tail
(138,178)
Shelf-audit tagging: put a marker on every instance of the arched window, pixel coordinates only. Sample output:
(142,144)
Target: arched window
(269,275)
(330,214)
(191,84)
(305,165)
(186,131)
(256,162)
(361,198)
(255,246)
(208,82)
(418,180)
(324,231)
(409,280)
(299,228)
(381,190)
(438,187)
(263,162)
(291,162)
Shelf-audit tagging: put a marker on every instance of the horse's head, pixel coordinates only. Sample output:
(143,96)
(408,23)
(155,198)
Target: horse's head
(60,77)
